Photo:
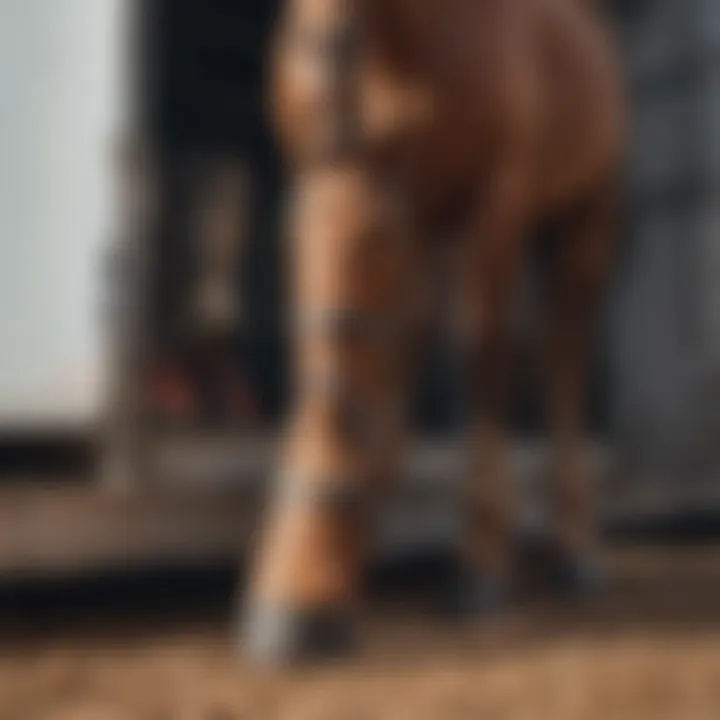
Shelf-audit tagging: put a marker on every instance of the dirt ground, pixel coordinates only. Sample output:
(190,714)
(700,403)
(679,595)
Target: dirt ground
(649,649)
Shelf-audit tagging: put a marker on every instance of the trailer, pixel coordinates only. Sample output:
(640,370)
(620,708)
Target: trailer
(177,367)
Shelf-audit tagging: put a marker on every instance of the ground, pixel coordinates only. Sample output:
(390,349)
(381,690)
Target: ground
(649,649)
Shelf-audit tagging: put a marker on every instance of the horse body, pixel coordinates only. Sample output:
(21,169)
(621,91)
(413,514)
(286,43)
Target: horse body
(398,118)
(460,86)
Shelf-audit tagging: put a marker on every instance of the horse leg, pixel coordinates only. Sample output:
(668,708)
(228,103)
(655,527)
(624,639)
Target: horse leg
(576,286)
(496,247)
(348,277)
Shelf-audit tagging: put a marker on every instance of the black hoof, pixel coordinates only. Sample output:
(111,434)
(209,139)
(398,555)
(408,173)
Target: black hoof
(470,593)
(287,636)
(578,577)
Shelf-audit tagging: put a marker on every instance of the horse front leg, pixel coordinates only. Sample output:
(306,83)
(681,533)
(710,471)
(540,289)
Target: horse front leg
(348,276)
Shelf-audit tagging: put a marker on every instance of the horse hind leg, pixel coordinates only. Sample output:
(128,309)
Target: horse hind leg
(576,282)
(492,266)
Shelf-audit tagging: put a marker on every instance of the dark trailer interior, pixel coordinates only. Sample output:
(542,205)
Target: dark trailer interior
(202,109)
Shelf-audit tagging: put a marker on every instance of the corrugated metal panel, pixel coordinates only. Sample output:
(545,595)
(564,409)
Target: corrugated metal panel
(665,325)
(654,30)
(708,15)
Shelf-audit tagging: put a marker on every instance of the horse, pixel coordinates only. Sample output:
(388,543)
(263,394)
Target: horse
(406,126)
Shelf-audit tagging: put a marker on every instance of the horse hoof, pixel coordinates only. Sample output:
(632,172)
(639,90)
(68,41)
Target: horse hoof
(474,594)
(289,636)
(578,577)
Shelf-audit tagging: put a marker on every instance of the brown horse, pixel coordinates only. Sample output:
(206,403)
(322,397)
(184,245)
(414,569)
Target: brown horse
(403,121)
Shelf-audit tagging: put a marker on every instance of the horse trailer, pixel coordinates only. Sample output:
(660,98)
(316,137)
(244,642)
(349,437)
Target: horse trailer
(114,331)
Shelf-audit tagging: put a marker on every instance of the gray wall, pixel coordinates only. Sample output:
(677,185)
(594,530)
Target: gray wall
(665,311)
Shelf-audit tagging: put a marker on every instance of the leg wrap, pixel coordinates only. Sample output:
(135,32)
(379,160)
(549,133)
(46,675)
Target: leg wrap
(338,493)
(347,325)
